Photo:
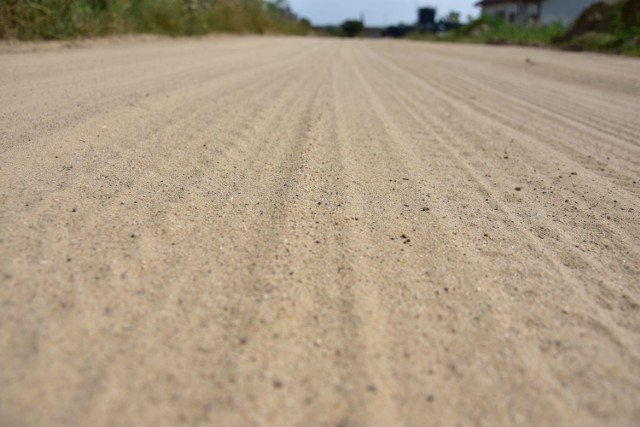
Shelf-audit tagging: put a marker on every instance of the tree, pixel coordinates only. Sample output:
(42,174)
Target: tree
(352,28)
(281,6)
(306,24)
(453,17)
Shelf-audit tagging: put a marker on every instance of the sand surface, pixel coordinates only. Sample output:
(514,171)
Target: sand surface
(318,232)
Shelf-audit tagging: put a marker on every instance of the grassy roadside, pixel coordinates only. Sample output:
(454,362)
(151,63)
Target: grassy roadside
(491,31)
(608,28)
(605,28)
(55,19)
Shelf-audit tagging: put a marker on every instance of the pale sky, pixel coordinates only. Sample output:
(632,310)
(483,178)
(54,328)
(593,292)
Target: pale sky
(376,12)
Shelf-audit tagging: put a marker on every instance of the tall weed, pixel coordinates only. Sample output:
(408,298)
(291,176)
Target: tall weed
(63,19)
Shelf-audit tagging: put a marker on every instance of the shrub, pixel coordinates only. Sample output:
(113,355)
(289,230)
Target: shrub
(605,27)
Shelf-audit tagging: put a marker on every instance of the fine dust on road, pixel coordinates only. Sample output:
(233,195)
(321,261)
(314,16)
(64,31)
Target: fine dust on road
(280,231)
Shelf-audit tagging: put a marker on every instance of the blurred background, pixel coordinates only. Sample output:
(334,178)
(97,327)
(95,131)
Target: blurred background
(605,26)
(378,12)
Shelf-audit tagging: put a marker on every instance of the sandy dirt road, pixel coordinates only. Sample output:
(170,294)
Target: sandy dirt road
(281,231)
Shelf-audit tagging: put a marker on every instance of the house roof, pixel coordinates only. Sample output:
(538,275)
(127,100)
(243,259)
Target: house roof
(492,2)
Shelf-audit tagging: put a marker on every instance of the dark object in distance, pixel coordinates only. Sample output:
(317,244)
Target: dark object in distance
(352,28)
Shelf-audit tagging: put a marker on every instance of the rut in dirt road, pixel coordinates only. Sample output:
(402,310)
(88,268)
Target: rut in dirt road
(281,231)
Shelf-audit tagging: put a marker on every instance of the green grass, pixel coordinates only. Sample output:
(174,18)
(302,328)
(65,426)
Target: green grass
(604,42)
(607,28)
(65,19)
(489,31)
